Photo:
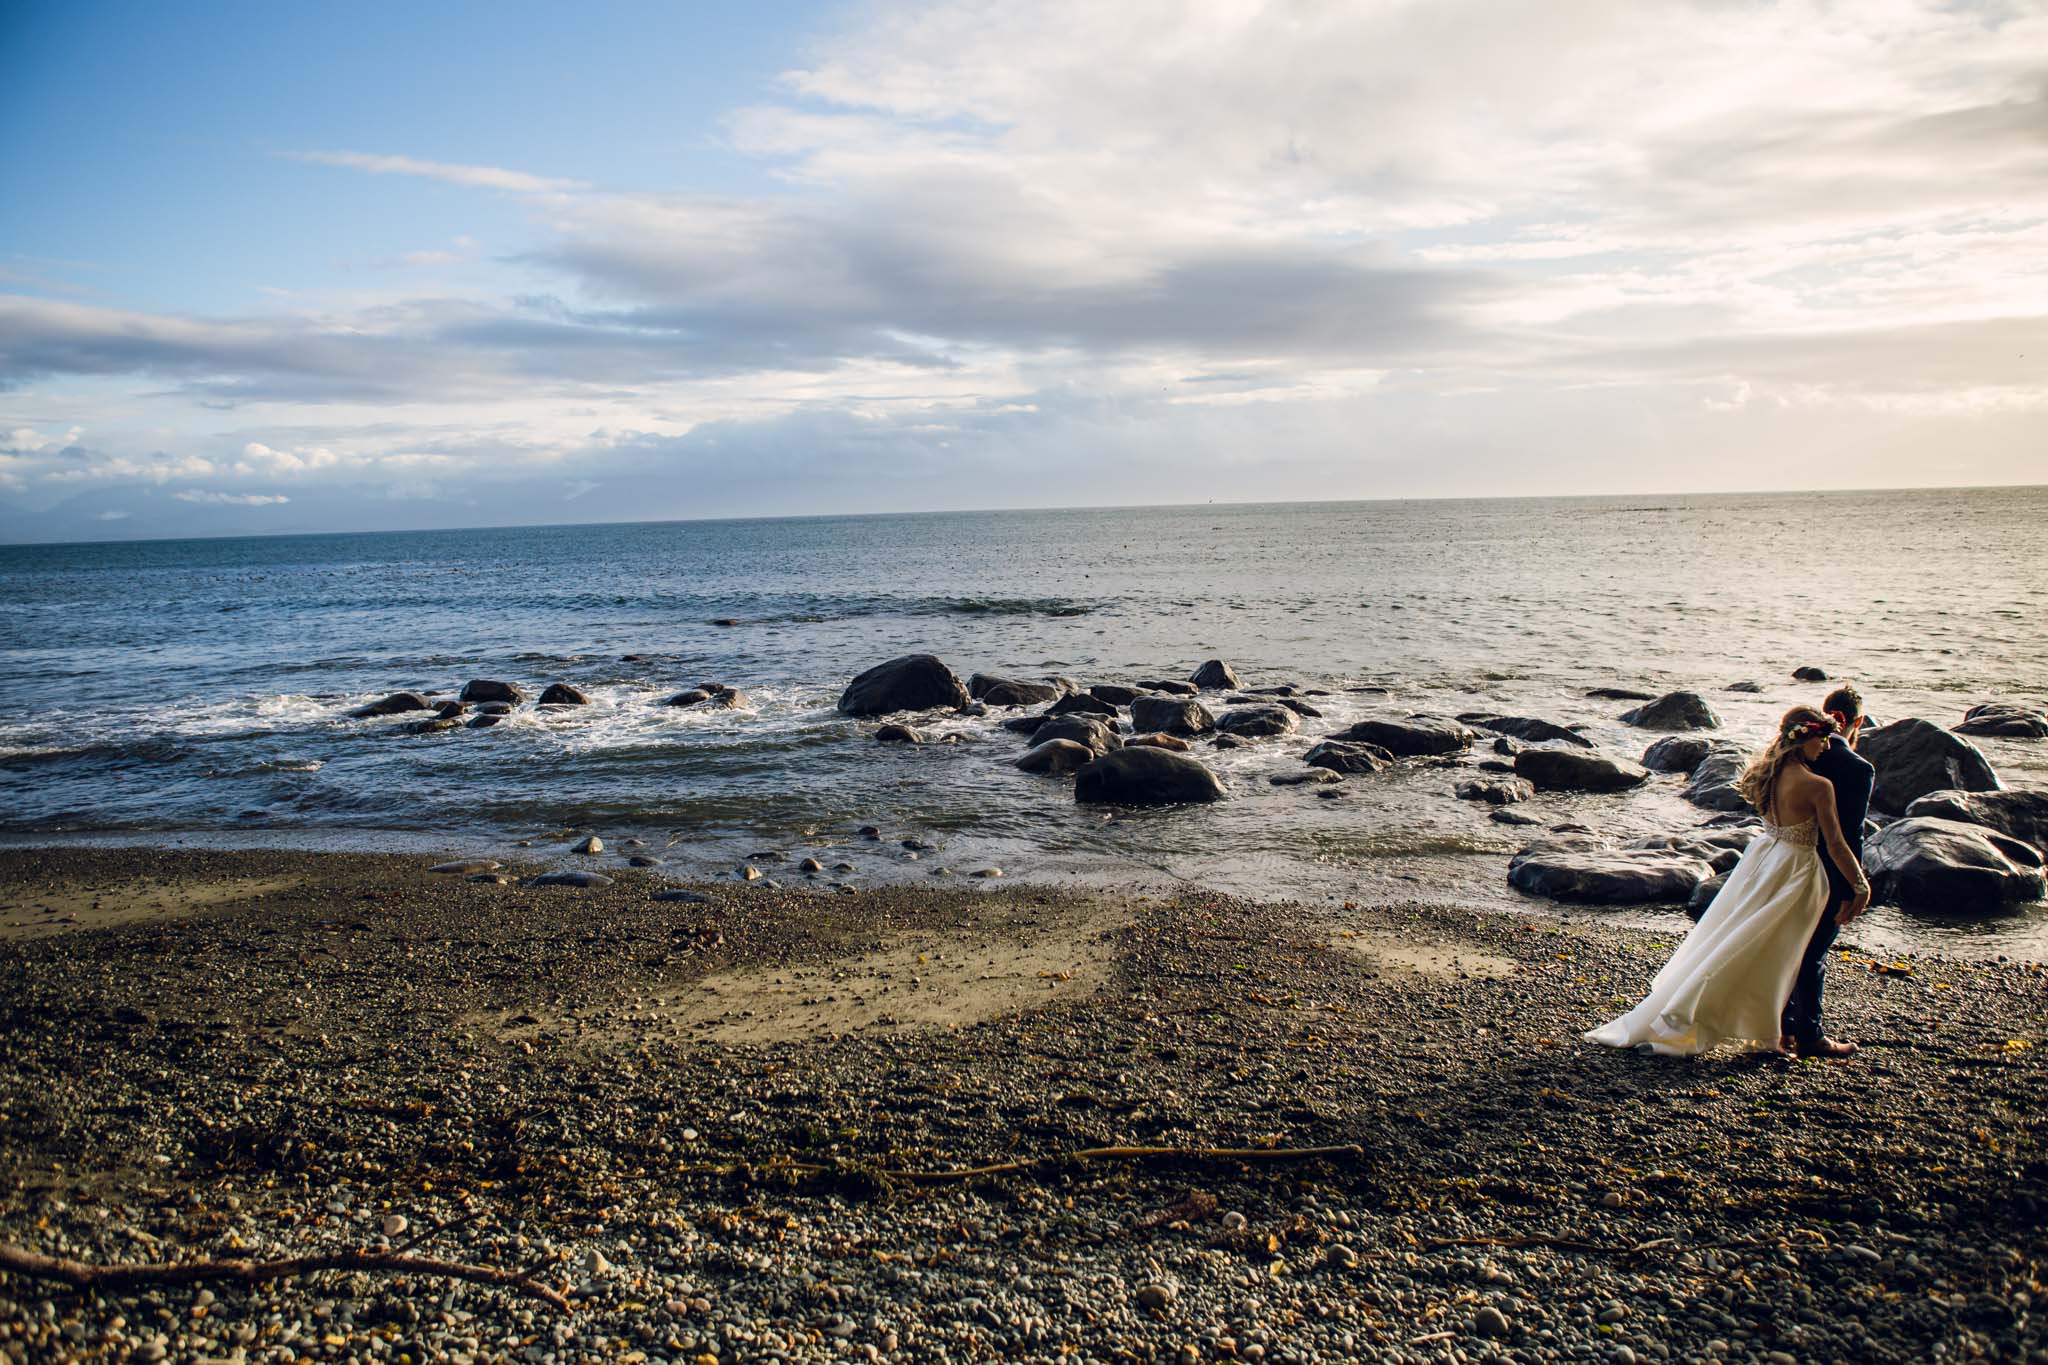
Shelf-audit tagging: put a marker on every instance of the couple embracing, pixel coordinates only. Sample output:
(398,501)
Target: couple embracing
(1751,970)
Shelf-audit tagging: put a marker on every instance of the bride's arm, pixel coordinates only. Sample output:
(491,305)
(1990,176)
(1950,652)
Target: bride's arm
(1838,848)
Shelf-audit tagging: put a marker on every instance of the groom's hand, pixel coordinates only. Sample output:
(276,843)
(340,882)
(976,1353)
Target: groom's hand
(1856,905)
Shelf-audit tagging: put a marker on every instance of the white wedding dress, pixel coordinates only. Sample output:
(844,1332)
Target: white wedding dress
(1729,980)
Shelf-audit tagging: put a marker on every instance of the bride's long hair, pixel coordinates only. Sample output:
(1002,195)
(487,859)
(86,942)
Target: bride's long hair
(1760,778)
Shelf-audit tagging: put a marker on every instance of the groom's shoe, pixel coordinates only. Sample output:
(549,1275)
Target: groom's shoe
(1824,1047)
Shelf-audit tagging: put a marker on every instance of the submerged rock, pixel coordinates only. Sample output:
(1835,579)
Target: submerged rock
(2004,720)
(491,689)
(1410,737)
(1159,741)
(1505,793)
(1676,754)
(1171,715)
(1808,673)
(1573,770)
(1306,777)
(466,867)
(1343,756)
(1258,722)
(2021,814)
(1116,694)
(1087,731)
(997,690)
(1080,703)
(910,682)
(1586,875)
(1944,866)
(1619,694)
(564,694)
(397,704)
(898,734)
(1674,711)
(1057,757)
(1146,777)
(1527,728)
(1171,687)
(1025,725)
(1215,675)
(1914,757)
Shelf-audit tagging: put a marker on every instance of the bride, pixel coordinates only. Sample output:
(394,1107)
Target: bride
(1729,980)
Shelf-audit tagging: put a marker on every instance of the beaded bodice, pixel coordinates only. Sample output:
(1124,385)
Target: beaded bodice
(1806,833)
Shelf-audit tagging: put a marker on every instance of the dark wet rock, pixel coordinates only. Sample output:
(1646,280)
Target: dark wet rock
(1412,736)
(1674,711)
(1506,747)
(452,710)
(1703,894)
(592,845)
(1301,708)
(1080,703)
(1948,867)
(2004,720)
(1159,741)
(1720,851)
(1057,757)
(1748,687)
(1169,686)
(484,720)
(1914,757)
(494,708)
(1275,690)
(681,897)
(643,860)
(1496,765)
(397,704)
(1526,728)
(1582,874)
(1223,741)
(911,682)
(1575,770)
(1171,715)
(2020,814)
(1620,694)
(436,726)
(1808,673)
(1087,731)
(1000,691)
(1146,777)
(1258,722)
(1496,793)
(491,689)
(1345,756)
(1676,754)
(1116,694)
(466,866)
(689,697)
(584,879)
(1025,725)
(899,734)
(564,694)
(1306,777)
(1215,676)
(1371,690)
(1712,785)
(1504,816)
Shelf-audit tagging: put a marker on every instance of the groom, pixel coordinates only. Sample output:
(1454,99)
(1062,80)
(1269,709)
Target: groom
(1852,778)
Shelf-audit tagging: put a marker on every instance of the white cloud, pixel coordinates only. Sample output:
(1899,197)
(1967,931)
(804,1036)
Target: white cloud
(473,177)
(216,499)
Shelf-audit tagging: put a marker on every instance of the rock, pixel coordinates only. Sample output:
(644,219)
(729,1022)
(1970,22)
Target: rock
(911,682)
(1343,757)
(1000,691)
(1057,757)
(1411,737)
(642,860)
(584,879)
(397,704)
(493,708)
(1745,686)
(395,1225)
(749,873)
(1674,711)
(1080,703)
(437,725)
(1025,725)
(676,894)
(1914,757)
(1497,765)
(490,689)
(716,695)
(1527,728)
(1945,866)
(1258,722)
(987,873)
(1570,770)
(1506,747)
(2004,720)
(564,694)
(1229,742)
(1116,694)
(1703,894)
(1586,875)
(1169,686)
(1154,1297)
(1300,708)
(484,720)
(464,867)
(1620,694)
(1088,731)
(1713,780)
(1808,673)
(810,865)
(591,845)
(689,697)
(1214,675)
(1158,741)
(1512,817)
(2020,814)
(1306,777)
(1676,754)
(898,734)
(450,710)
(1491,1323)
(1171,715)
(1496,793)
(1146,777)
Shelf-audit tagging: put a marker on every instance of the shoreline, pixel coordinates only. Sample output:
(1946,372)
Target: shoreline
(267,1051)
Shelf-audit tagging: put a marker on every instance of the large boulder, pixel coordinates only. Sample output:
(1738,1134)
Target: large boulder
(2004,720)
(913,682)
(1010,691)
(1146,777)
(1341,756)
(1586,874)
(1057,757)
(1258,722)
(397,704)
(1171,715)
(1676,754)
(1674,711)
(1083,703)
(1574,770)
(1116,694)
(1914,757)
(1410,737)
(1527,728)
(1086,731)
(564,694)
(1713,780)
(1214,675)
(2021,814)
(1952,868)
(491,689)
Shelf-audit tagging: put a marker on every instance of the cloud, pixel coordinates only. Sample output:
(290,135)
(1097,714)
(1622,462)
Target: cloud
(472,177)
(217,499)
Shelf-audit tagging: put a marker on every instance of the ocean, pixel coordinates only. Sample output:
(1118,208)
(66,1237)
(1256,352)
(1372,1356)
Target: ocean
(197,692)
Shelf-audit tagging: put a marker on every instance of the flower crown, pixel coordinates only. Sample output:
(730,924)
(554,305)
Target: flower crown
(1809,729)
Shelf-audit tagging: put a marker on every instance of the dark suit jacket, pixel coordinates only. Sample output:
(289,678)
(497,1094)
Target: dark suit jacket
(1853,778)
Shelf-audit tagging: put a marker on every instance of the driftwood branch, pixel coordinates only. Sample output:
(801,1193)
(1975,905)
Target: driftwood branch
(83,1275)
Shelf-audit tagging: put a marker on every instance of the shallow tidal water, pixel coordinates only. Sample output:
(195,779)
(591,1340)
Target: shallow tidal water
(197,691)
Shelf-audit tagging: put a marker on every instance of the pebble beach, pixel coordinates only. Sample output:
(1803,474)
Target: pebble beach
(972,1121)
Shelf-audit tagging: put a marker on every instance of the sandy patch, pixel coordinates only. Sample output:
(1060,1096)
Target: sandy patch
(917,979)
(35,912)
(1443,960)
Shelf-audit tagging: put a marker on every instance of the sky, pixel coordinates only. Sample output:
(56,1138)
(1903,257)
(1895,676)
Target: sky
(284,268)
